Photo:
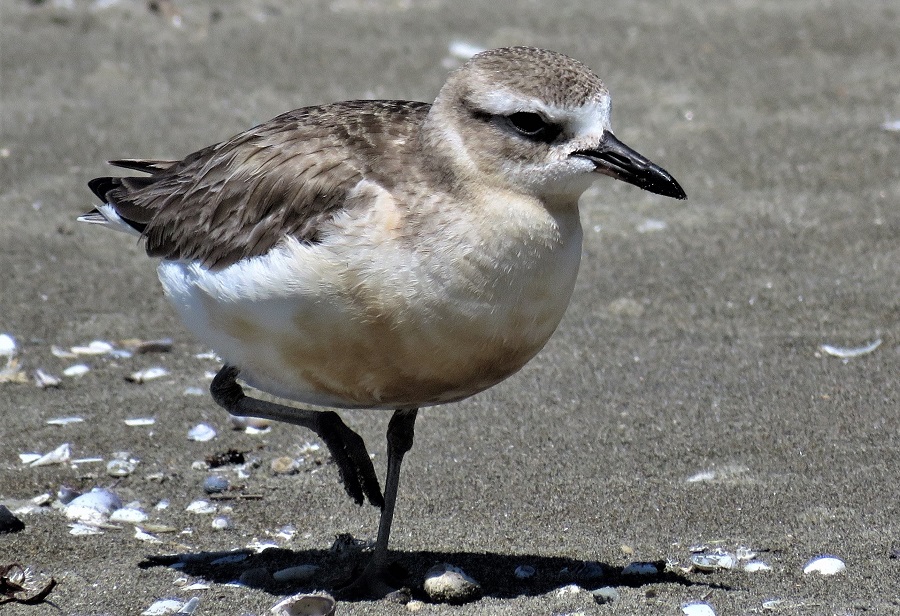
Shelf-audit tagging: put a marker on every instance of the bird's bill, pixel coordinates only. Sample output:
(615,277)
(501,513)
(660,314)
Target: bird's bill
(617,160)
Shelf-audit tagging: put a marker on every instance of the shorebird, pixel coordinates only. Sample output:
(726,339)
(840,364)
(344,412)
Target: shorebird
(382,254)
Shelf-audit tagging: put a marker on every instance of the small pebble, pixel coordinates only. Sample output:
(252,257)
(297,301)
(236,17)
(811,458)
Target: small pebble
(128,515)
(825,565)
(445,583)
(298,573)
(9,523)
(523,572)
(215,484)
(640,568)
(201,433)
(257,577)
(285,465)
(756,566)
(607,594)
(221,522)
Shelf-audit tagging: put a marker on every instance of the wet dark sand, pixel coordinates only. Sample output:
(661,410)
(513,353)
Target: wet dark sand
(690,348)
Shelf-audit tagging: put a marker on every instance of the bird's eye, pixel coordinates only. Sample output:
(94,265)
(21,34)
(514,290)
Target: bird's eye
(533,126)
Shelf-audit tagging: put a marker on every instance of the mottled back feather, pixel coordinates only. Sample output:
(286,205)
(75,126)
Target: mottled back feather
(238,198)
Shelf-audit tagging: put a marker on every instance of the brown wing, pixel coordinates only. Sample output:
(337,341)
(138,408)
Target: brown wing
(239,198)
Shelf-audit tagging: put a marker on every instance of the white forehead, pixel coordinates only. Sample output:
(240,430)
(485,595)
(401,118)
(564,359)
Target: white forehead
(589,118)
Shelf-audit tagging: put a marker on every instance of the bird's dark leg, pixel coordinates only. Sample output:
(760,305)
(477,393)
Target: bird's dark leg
(346,446)
(399,441)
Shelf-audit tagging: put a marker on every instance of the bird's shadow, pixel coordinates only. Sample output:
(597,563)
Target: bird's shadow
(283,572)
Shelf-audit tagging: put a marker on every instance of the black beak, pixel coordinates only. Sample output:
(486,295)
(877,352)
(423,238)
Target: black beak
(617,160)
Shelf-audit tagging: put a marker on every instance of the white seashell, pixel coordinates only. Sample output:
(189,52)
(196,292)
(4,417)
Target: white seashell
(64,421)
(78,461)
(201,433)
(163,607)
(60,455)
(141,535)
(209,355)
(197,586)
(697,609)
(845,353)
(825,565)
(82,530)
(122,465)
(711,562)
(201,507)
(248,423)
(221,523)
(7,345)
(446,583)
(61,353)
(317,604)
(148,374)
(569,589)
(300,573)
(189,608)
(128,515)
(756,566)
(45,379)
(94,507)
(95,347)
(194,391)
(28,458)
(286,532)
(77,370)
(140,421)
(639,568)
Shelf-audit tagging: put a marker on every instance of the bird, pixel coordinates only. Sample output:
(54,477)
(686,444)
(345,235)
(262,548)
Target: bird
(382,254)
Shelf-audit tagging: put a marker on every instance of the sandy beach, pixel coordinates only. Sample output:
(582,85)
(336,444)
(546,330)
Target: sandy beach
(693,399)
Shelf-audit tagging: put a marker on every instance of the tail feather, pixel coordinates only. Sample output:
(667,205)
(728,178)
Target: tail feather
(111,190)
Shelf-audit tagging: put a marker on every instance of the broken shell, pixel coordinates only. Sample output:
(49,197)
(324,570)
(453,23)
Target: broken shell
(242,423)
(140,421)
(711,562)
(162,607)
(201,507)
(60,455)
(285,465)
(121,465)
(846,353)
(201,433)
(64,421)
(77,370)
(825,565)
(95,347)
(94,507)
(697,609)
(221,523)
(148,374)
(607,594)
(446,583)
(756,566)
(45,379)
(316,604)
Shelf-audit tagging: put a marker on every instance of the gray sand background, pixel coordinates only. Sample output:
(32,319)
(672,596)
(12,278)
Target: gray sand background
(692,344)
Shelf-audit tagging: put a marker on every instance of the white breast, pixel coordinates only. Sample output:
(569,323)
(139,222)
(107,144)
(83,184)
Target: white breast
(383,319)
